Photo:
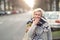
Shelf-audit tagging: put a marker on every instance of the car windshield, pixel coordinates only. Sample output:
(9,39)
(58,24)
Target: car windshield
(51,16)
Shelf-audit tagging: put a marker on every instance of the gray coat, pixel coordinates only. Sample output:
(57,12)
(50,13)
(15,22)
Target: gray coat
(42,32)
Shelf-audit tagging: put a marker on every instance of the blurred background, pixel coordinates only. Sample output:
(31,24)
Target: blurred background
(47,5)
(14,15)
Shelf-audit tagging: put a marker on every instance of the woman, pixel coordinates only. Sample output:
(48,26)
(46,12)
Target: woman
(38,28)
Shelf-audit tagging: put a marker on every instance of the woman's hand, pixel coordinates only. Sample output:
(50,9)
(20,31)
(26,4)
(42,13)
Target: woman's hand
(36,20)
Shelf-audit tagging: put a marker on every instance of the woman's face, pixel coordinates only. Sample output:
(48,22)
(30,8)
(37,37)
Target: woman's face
(37,14)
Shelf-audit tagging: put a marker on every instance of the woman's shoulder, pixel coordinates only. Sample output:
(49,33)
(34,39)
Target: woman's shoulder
(29,23)
(42,20)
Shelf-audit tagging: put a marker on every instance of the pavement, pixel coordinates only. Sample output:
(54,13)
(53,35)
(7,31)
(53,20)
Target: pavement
(12,27)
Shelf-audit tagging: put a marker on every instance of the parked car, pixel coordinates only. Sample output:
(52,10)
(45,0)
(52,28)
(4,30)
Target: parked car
(17,11)
(8,12)
(53,19)
(20,10)
(13,12)
(2,12)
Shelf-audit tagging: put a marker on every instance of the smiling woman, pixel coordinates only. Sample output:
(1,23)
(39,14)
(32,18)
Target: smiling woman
(30,3)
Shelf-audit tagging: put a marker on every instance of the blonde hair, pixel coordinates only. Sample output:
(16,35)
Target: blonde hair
(38,10)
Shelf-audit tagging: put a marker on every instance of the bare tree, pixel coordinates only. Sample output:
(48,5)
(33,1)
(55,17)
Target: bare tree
(44,4)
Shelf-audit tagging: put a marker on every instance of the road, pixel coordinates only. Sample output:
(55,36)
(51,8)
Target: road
(12,27)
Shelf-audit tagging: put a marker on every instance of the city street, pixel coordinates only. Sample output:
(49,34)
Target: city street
(14,15)
(12,27)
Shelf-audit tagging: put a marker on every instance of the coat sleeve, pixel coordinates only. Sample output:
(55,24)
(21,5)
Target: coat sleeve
(31,30)
(49,33)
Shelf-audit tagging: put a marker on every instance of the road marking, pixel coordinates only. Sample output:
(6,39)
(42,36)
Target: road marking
(1,22)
